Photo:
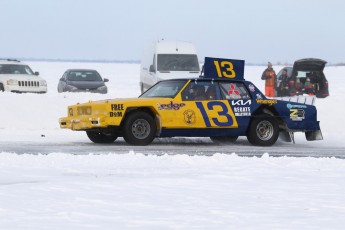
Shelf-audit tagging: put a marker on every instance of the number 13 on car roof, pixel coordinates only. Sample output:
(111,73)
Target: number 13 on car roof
(223,68)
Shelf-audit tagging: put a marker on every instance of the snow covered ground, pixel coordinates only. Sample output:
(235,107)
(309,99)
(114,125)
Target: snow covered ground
(137,191)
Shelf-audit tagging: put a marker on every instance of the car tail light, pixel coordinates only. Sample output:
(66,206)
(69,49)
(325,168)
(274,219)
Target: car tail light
(325,84)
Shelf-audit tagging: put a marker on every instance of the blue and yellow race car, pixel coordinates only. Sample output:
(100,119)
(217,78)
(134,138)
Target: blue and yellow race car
(220,105)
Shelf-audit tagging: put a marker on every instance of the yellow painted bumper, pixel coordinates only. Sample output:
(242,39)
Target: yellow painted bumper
(86,122)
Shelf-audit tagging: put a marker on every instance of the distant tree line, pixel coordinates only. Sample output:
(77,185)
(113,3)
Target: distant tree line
(138,61)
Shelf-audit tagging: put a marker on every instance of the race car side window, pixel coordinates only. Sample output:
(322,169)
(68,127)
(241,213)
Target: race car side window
(234,90)
(165,89)
(199,91)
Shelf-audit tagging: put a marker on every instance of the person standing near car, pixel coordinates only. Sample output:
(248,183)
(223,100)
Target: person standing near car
(283,88)
(270,77)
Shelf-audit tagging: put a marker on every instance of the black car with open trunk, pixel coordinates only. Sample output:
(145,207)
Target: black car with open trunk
(306,76)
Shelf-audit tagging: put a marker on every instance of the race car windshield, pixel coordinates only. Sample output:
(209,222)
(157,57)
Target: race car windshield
(177,62)
(15,69)
(167,89)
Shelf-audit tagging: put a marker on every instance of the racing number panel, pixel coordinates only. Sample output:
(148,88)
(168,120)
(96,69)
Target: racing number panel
(217,114)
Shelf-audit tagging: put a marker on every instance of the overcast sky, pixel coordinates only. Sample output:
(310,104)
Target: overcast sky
(256,31)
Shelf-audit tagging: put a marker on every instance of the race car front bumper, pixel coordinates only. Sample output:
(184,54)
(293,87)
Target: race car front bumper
(84,123)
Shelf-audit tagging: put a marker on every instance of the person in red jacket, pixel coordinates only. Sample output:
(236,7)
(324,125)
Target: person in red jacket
(270,77)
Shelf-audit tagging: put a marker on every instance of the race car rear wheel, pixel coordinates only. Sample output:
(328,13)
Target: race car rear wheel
(1,87)
(223,140)
(100,137)
(263,131)
(139,128)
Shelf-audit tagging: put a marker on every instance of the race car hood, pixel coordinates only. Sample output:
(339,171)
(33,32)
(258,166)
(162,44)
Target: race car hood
(309,64)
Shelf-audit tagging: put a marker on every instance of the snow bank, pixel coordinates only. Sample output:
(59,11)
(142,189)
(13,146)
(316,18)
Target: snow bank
(134,191)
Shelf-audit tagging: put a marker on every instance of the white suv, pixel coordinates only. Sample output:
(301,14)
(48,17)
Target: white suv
(16,76)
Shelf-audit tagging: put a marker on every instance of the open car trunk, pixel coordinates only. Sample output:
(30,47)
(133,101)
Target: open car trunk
(309,72)
(309,64)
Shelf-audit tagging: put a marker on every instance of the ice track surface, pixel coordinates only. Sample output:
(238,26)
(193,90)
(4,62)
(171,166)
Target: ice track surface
(174,146)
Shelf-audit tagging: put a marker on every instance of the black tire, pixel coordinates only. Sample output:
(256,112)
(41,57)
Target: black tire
(2,89)
(101,138)
(139,128)
(223,140)
(263,131)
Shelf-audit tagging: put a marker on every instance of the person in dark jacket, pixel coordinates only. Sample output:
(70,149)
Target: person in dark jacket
(270,77)
(283,88)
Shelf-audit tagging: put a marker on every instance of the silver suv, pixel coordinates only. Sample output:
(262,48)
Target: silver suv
(18,77)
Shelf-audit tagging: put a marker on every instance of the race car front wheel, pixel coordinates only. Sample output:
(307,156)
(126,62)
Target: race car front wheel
(99,137)
(139,128)
(263,131)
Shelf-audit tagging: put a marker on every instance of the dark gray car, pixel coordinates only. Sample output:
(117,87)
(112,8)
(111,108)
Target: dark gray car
(82,80)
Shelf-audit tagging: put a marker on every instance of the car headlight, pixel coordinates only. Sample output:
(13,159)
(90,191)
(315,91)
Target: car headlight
(103,88)
(12,82)
(70,112)
(43,83)
(84,110)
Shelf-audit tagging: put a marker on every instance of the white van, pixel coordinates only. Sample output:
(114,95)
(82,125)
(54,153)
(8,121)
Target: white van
(167,60)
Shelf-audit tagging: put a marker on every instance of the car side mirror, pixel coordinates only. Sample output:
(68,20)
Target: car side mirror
(105,79)
(152,69)
(37,73)
(62,79)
